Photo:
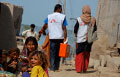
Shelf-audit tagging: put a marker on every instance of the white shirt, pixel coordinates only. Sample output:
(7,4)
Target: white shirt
(82,31)
(28,33)
(55,22)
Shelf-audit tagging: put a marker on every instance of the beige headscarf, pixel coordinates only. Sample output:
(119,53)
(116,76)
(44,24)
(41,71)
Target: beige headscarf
(86,14)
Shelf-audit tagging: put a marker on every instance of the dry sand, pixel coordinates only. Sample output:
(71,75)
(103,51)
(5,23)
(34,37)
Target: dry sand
(68,70)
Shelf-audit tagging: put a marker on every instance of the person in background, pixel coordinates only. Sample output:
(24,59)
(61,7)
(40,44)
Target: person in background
(39,64)
(30,32)
(56,24)
(83,48)
(3,60)
(12,65)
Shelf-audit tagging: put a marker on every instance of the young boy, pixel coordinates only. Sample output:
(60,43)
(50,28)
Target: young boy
(14,59)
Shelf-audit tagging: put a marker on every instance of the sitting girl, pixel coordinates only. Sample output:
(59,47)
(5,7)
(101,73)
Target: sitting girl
(31,45)
(39,64)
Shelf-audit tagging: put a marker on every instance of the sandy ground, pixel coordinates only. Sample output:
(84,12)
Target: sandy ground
(68,70)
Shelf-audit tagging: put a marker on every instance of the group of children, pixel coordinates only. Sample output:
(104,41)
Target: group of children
(28,63)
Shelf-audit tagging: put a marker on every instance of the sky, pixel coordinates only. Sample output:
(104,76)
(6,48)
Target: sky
(36,11)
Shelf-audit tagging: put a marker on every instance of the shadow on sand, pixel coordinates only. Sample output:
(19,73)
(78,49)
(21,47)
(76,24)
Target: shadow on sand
(70,69)
(91,71)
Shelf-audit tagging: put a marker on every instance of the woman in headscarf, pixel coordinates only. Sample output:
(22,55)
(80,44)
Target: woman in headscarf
(83,48)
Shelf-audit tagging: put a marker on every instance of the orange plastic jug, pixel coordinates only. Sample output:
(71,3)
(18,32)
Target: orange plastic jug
(64,50)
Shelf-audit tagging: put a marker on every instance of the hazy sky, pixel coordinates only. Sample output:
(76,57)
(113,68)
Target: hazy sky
(36,11)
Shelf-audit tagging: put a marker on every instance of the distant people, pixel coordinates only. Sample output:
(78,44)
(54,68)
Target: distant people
(83,47)
(30,32)
(56,23)
(12,65)
(39,64)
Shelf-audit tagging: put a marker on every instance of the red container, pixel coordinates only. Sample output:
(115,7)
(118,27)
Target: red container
(64,50)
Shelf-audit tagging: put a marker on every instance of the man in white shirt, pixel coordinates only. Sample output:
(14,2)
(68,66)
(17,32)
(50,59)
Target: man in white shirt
(30,32)
(56,24)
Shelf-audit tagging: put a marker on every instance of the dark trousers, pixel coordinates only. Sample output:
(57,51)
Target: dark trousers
(54,53)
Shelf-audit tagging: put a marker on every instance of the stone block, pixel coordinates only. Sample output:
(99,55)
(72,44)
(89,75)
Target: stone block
(10,19)
(96,64)
(103,61)
(113,62)
(91,63)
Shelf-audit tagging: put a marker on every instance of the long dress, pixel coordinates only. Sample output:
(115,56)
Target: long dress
(83,48)
(82,58)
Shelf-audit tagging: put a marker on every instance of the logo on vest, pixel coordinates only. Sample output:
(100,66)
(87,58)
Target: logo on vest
(82,24)
(53,21)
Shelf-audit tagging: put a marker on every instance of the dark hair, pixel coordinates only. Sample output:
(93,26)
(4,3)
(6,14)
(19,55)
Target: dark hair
(57,6)
(25,65)
(33,39)
(17,50)
(42,57)
(32,25)
(3,52)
